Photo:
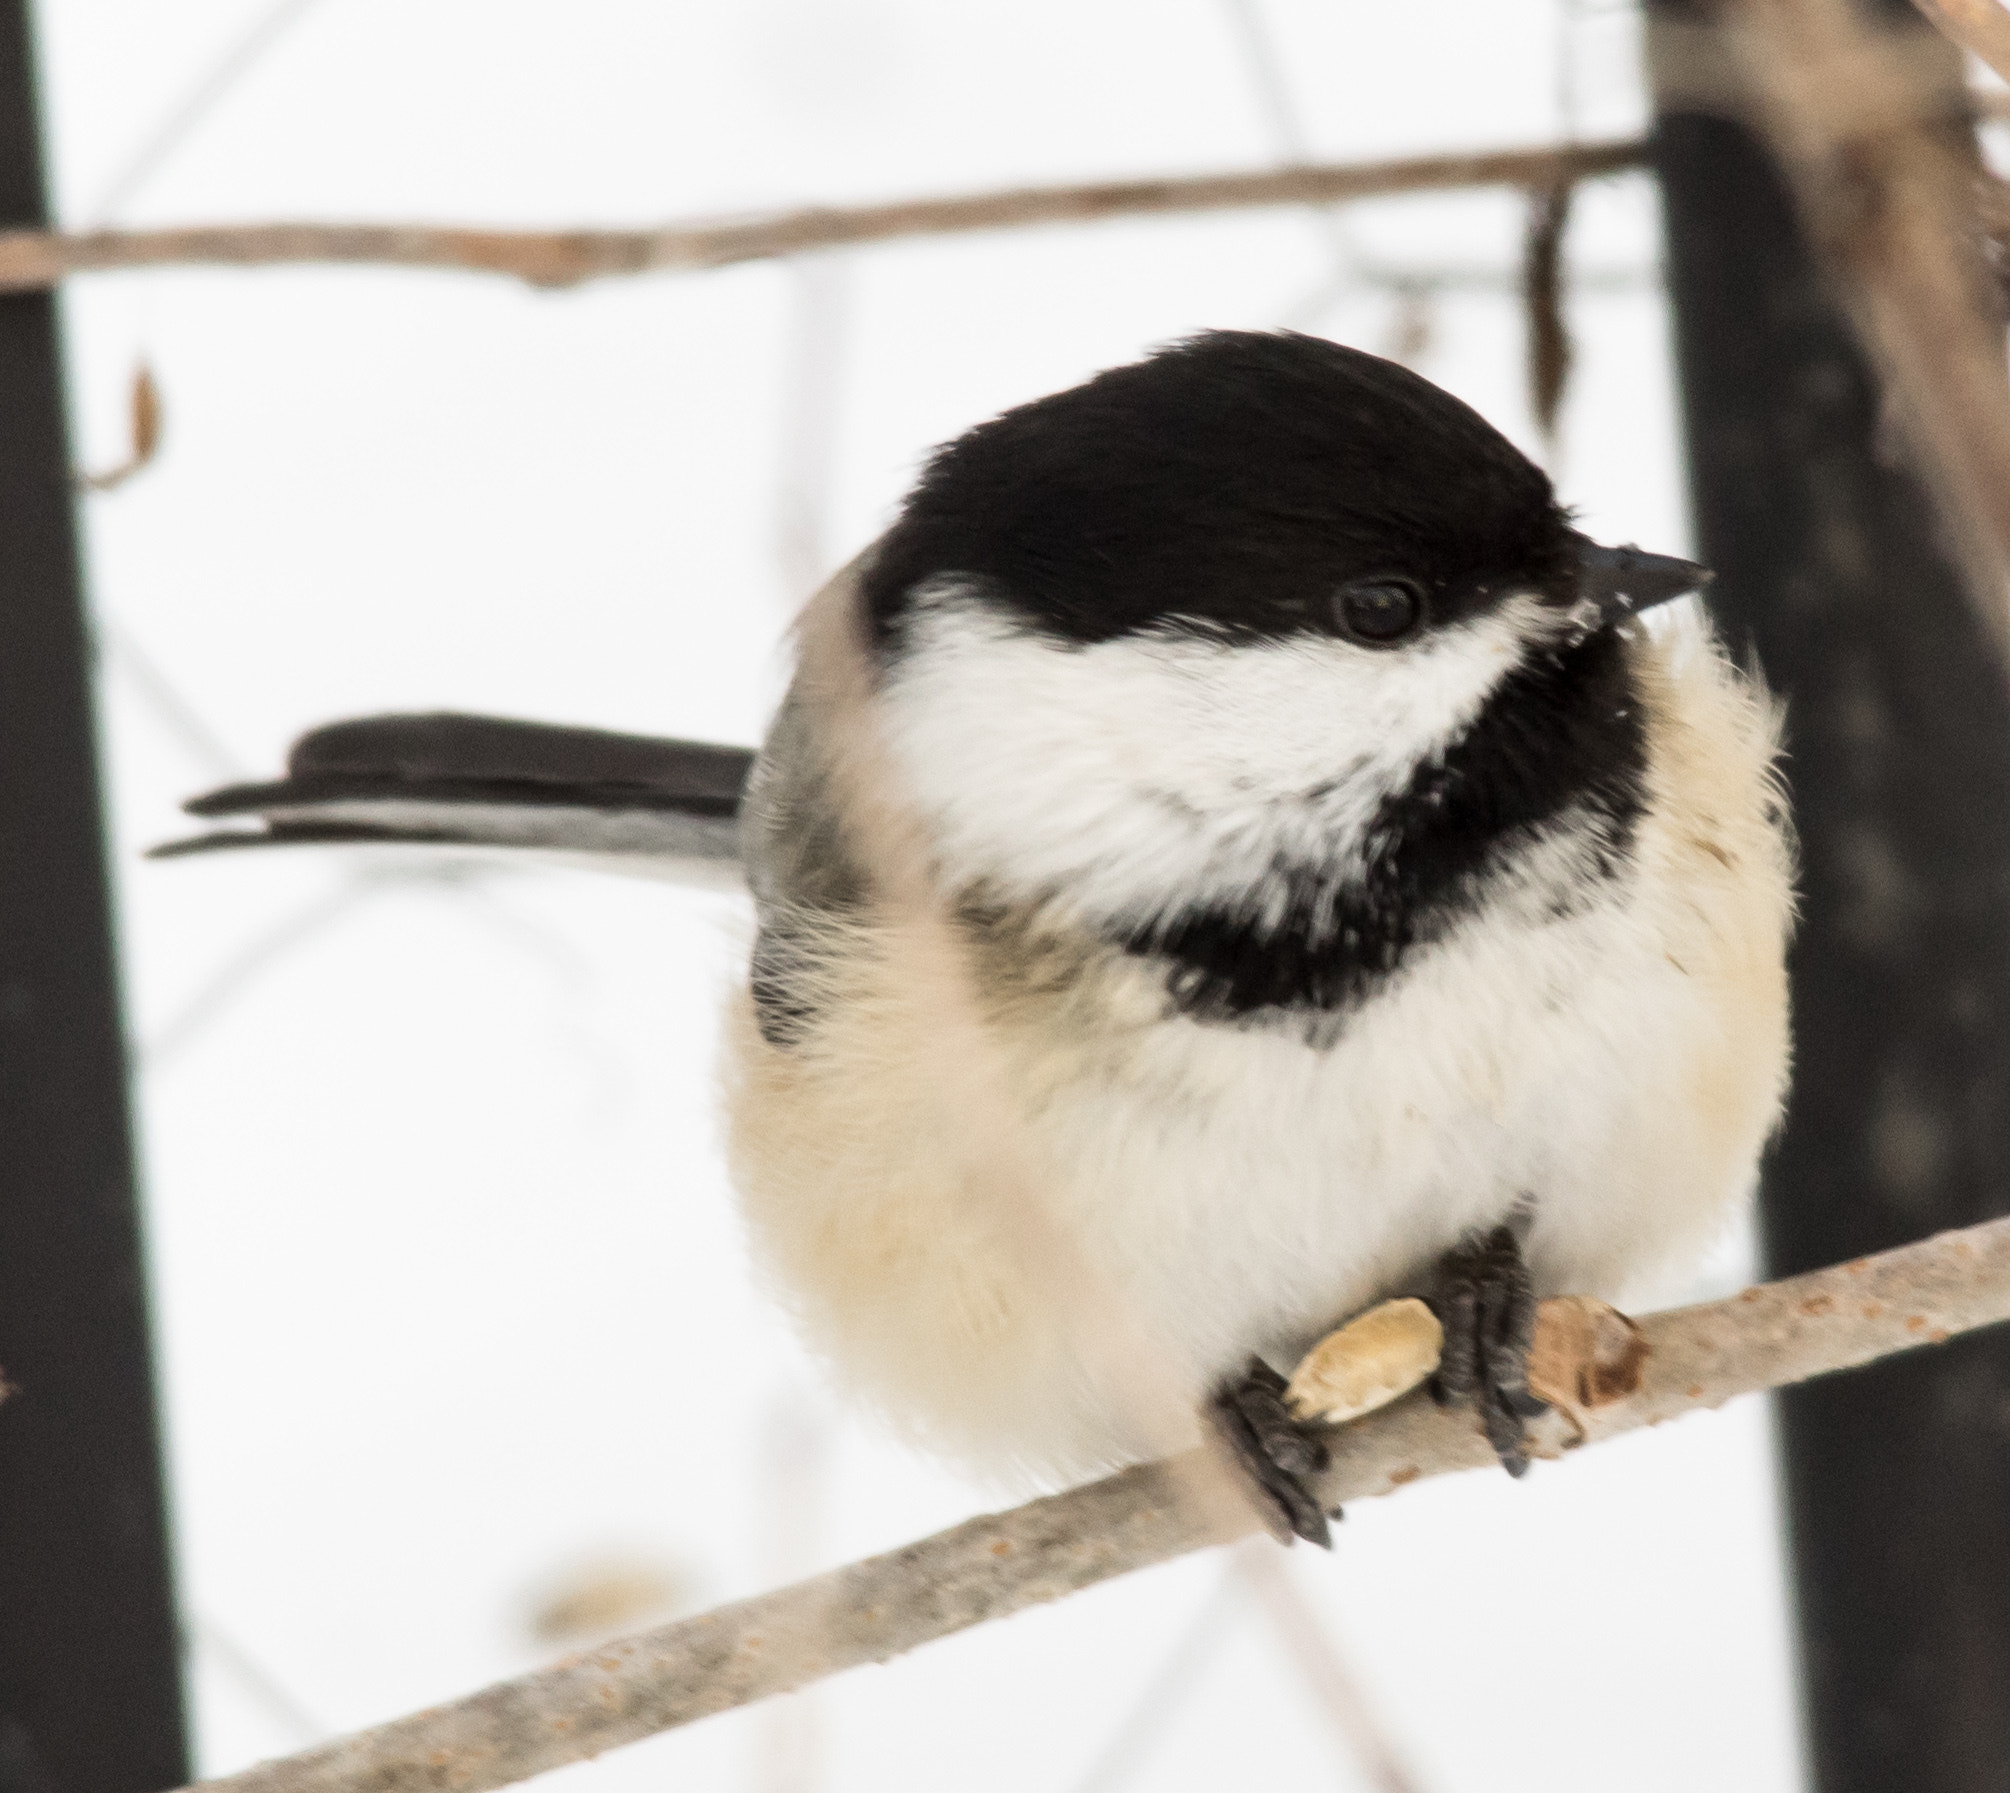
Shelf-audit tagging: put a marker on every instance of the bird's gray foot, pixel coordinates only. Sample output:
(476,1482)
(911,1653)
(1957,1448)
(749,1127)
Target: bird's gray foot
(1276,1455)
(1486,1303)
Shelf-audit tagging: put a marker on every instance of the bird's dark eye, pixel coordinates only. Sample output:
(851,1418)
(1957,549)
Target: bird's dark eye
(1380,611)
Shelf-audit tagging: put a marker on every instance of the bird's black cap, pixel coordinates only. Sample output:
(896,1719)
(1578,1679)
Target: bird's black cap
(1230,482)
(1254,486)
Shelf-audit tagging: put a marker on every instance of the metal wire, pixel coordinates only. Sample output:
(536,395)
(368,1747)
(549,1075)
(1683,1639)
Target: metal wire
(812,420)
(255,1679)
(1290,139)
(1261,1568)
(122,650)
(180,121)
(1118,1762)
(239,972)
(792,1466)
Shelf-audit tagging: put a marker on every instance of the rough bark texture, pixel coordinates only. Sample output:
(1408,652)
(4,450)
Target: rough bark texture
(30,259)
(990,1567)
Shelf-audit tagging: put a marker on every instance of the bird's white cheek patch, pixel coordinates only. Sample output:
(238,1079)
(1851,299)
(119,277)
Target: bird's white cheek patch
(1132,774)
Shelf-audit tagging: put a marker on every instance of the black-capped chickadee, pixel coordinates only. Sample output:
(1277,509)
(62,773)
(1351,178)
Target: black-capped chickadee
(1233,793)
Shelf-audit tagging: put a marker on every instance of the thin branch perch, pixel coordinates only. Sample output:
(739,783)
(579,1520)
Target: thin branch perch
(874,1610)
(31,258)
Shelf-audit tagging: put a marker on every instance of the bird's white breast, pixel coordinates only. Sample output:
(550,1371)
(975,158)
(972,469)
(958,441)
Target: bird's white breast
(966,1214)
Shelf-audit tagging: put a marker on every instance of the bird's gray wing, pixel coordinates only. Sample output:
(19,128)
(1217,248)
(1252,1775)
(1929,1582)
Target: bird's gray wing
(799,867)
(446,780)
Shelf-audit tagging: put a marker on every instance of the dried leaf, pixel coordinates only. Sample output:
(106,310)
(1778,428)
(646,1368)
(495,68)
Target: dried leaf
(143,410)
(146,416)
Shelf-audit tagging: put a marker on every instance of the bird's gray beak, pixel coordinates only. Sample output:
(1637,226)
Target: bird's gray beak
(1616,583)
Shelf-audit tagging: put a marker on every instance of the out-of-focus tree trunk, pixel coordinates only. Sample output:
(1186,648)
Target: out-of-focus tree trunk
(1834,565)
(90,1682)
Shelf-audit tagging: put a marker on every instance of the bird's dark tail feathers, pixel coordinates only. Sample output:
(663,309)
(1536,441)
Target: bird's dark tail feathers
(450,781)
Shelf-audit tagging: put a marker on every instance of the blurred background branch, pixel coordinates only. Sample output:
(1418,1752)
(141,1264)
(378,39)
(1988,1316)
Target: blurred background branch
(35,259)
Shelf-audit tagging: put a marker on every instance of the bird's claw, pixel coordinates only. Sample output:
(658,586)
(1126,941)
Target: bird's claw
(1275,1455)
(1486,1303)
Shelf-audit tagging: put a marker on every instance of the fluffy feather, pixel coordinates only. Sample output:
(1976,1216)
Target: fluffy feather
(1614,1062)
(1158,962)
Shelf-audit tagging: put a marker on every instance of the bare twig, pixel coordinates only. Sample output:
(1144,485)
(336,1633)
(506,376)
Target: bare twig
(874,1610)
(33,258)
(1981,27)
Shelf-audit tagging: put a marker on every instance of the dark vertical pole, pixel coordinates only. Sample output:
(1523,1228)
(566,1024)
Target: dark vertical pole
(90,1688)
(1830,563)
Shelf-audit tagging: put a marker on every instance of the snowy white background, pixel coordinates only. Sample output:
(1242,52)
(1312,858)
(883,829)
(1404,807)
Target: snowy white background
(450,1293)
